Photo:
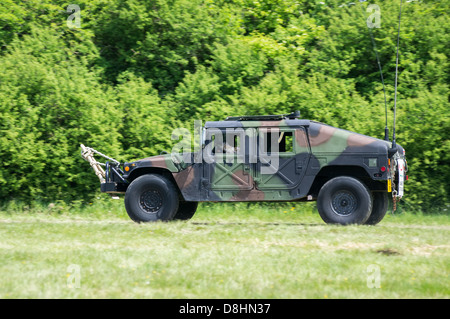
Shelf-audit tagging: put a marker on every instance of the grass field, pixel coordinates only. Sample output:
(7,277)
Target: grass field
(225,251)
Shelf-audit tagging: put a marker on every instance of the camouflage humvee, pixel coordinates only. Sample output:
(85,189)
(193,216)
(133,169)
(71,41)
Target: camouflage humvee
(265,158)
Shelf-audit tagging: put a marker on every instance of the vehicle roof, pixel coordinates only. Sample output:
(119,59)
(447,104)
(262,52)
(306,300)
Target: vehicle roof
(250,123)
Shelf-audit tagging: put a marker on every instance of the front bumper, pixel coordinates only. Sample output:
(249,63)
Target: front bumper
(113,188)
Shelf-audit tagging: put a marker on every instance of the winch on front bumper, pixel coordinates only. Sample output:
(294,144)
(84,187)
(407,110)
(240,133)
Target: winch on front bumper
(111,180)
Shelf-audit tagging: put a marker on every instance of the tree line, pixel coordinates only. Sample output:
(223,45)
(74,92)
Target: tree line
(131,71)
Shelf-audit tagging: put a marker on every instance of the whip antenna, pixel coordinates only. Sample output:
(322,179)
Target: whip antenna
(386,130)
(394,145)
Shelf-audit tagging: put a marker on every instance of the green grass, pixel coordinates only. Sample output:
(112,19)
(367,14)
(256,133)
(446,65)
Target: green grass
(225,251)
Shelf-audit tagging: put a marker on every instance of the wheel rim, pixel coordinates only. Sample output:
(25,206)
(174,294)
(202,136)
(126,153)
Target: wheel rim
(151,201)
(344,203)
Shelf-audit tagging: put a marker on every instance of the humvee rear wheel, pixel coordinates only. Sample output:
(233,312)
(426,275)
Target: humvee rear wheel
(186,210)
(344,200)
(379,209)
(151,198)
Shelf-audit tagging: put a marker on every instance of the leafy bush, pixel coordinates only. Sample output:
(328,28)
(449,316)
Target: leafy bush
(137,69)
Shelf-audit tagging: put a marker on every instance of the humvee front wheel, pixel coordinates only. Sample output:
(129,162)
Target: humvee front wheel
(344,200)
(151,198)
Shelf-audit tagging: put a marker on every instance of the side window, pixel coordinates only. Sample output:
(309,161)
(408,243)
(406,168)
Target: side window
(286,142)
(284,139)
(224,141)
(213,140)
(232,143)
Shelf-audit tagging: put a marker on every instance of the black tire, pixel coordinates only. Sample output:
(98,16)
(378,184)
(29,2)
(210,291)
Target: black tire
(151,198)
(344,200)
(379,207)
(186,210)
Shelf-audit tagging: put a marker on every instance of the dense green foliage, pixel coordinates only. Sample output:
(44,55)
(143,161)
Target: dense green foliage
(136,69)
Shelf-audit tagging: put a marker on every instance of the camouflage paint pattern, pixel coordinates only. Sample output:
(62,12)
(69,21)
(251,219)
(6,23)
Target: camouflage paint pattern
(314,146)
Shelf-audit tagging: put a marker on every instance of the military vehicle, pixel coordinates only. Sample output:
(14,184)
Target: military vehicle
(266,158)
(263,158)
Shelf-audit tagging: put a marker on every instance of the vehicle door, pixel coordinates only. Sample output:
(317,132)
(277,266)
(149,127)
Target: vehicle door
(226,165)
(283,155)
